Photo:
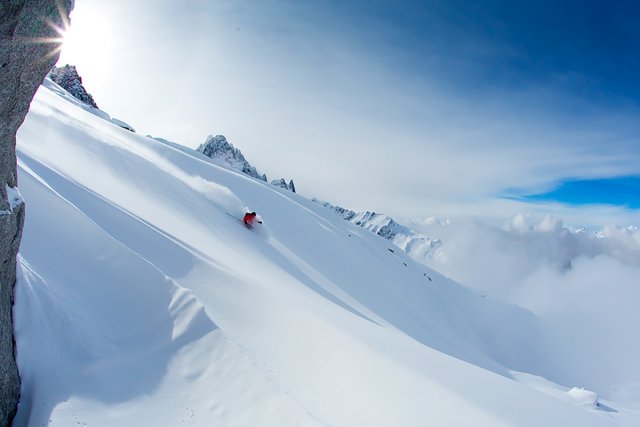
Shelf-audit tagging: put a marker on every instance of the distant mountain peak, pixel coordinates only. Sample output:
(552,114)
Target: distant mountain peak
(217,147)
(282,183)
(415,244)
(67,77)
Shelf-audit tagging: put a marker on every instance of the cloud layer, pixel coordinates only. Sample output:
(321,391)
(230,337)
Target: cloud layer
(582,286)
(504,260)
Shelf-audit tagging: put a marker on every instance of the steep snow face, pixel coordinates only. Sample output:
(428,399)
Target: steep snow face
(145,301)
(217,147)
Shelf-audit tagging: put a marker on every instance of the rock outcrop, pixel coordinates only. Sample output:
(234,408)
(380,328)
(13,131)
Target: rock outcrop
(282,183)
(67,77)
(27,53)
(217,147)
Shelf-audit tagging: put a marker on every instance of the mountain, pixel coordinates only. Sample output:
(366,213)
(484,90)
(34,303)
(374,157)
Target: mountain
(67,77)
(143,300)
(282,183)
(414,244)
(217,147)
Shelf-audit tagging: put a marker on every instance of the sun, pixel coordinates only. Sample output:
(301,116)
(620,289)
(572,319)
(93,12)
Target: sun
(87,39)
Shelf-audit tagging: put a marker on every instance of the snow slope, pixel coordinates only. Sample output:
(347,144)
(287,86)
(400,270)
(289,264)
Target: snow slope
(582,286)
(141,301)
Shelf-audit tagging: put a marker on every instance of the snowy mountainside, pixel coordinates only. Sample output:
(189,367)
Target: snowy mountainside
(143,302)
(415,244)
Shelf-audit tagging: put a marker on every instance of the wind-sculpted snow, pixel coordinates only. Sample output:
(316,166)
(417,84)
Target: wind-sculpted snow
(158,307)
(102,310)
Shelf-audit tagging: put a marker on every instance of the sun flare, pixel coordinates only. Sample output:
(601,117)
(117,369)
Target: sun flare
(56,39)
(87,39)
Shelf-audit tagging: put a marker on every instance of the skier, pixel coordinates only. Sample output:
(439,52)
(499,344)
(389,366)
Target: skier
(249,218)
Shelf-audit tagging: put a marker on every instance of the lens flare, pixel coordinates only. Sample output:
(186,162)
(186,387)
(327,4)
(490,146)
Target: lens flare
(58,32)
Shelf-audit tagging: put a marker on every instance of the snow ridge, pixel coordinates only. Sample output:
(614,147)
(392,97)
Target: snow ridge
(383,225)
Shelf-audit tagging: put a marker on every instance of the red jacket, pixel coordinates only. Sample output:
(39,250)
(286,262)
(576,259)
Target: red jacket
(249,218)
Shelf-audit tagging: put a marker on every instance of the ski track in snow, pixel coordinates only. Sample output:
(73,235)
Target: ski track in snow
(140,302)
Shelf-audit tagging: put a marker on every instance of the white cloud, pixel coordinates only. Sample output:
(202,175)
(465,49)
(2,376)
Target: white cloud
(582,287)
(502,260)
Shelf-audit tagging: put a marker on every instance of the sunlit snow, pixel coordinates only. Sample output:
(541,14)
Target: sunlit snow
(143,301)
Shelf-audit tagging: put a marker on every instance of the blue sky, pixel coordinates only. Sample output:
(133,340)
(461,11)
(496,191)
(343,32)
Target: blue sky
(415,108)
(622,191)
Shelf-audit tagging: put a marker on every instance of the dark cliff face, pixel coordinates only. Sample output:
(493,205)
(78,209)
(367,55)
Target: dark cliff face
(24,62)
(217,147)
(67,77)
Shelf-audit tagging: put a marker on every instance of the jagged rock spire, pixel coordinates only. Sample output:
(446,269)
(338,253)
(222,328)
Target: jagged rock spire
(217,147)
(68,78)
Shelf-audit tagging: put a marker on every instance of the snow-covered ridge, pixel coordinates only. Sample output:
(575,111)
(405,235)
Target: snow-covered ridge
(66,82)
(415,244)
(122,124)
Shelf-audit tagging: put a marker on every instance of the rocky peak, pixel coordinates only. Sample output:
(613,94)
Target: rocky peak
(282,183)
(217,147)
(67,77)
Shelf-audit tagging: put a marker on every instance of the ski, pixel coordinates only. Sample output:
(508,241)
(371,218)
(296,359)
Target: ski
(241,221)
